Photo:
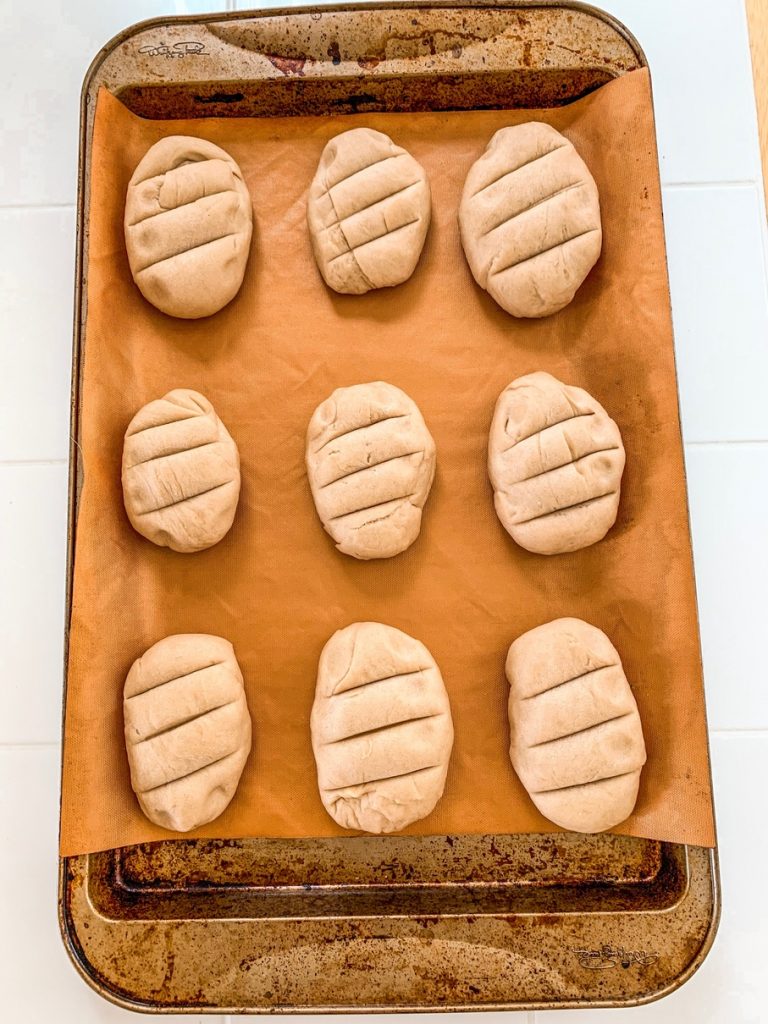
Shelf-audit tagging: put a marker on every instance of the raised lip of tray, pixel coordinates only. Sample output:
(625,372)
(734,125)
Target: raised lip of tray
(706,872)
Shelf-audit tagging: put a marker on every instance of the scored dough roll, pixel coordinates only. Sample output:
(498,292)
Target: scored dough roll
(530,220)
(381,725)
(576,741)
(181,472)
(187,729)
(371,462)
(188,226)
(368,212)
(555,460)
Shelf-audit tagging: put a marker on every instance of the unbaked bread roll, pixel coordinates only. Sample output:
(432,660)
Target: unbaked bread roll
(576,741)
(181,472)
(187,729)
(368,212)
(530,220)
(371,462)
(555,459)
(188,226)
(382,731)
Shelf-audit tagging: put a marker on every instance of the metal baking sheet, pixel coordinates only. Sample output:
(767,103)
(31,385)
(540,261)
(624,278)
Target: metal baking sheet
(368,924)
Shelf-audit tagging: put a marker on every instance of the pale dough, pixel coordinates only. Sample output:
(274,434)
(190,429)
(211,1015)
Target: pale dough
(368,212)
(181,472)
(188,226)
(187,729)
(576,741)
(371,462)
(555,459)
(382,731)
(530,220)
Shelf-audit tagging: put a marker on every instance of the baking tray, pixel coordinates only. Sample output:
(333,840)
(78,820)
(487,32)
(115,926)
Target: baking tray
(372,924)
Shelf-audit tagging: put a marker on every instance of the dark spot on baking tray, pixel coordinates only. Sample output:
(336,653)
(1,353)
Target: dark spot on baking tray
(221,97)
(334,53)
(359,100)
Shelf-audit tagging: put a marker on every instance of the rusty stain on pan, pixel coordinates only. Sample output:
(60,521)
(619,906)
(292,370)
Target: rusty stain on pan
(373,924)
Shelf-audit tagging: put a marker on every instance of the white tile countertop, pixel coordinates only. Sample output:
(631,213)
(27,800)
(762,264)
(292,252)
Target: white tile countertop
(716,234)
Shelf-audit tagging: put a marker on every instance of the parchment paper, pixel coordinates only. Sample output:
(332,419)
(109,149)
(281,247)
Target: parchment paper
(275,586)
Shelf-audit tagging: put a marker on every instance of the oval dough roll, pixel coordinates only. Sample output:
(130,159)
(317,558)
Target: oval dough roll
(371,462)
(187,729)
(181,473)
(576,741)
(530,220)
(368,212)
(382,731)
(188,226)
(555,460)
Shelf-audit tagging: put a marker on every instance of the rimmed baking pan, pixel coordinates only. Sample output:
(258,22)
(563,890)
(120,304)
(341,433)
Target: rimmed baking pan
(361,924)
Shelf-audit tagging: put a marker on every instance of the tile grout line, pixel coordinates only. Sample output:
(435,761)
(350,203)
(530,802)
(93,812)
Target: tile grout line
(745,443)
(30,207)
(744,183)
(747,732)
(33,462)
(34,745)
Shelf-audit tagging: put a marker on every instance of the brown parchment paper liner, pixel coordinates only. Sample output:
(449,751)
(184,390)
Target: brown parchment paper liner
(275,586)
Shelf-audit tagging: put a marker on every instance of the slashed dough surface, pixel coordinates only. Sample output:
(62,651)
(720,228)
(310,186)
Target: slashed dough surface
(188,226)
(381,725)
(368,212)
(555,460)
(370,461)
(187,729)
(181,472)
(530,220)
(576,741)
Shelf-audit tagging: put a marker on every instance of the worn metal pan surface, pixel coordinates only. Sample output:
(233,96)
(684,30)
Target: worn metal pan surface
(361,924)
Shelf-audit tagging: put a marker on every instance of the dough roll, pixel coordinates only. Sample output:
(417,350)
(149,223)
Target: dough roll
(530,220)
(555,460)
(576,741)
(187,729)
(188,227)
(181,473)
(368,212)
(371,462)
(381,726)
